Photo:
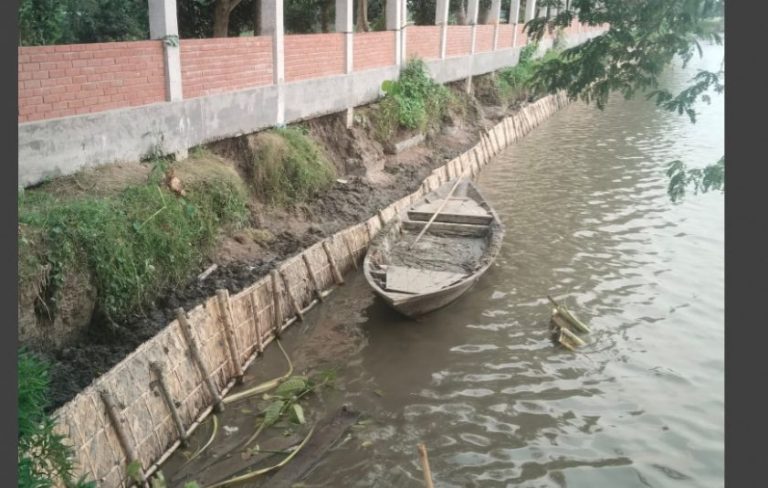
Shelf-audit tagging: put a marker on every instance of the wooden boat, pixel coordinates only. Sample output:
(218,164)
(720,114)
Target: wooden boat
(435,250)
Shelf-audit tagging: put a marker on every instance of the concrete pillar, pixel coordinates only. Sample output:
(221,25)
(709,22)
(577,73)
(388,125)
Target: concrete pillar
(395,16)
(493,18)
(164,26)
(473,7)
(530,10)
(441,19)
(514,19)
(272,25)
(345,25)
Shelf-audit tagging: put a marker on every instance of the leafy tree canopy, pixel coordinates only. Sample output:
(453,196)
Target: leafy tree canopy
(644,37)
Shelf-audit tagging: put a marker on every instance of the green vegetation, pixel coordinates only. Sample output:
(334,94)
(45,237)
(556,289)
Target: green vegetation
(645,36)
(132,243)
(287,166)
(44,458)
(701,180)
(414,101)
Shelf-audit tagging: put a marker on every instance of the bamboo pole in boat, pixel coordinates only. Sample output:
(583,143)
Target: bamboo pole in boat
(434,216)
(425,464)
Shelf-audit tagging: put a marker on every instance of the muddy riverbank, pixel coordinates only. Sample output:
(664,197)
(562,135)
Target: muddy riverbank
(368,180)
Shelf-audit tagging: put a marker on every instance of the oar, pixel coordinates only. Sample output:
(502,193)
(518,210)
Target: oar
(440,209)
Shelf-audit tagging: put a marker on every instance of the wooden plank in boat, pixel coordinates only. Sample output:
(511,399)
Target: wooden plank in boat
(463,211)
(466,230)
(411,280)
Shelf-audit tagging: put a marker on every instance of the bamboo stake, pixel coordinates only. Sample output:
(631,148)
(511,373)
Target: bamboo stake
(332,262)
(425,465)
(313,278)
(291,297)
(157,369)
(186,330)
(276,303)
(256,321)
(382,220)
(117,425)
(222,297)
(352,257)
(434,216)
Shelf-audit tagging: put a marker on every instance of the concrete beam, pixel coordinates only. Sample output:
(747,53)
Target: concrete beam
(345,25)
(514,19)
(494,15)
(530,10)
(441,19)
(163,25)
(396,19)
(272,25)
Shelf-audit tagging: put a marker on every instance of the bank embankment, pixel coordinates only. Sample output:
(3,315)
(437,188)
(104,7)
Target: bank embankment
(108,254)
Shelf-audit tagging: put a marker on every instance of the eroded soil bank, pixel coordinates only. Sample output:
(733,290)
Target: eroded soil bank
(368,179)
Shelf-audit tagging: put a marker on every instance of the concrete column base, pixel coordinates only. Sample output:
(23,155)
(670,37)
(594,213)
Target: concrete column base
(350,117)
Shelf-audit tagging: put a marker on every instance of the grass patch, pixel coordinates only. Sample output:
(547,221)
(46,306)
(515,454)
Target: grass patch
(287,166)
(43,457)
(516,84)
(414,101)
(133,243)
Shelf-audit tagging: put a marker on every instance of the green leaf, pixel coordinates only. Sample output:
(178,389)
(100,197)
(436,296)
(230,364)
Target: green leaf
(291,386)
(273,412)
(298,413)
(134,471)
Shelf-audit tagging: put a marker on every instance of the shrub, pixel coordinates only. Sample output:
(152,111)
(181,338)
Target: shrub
(287,166)
(414,101)
(43,456)
(132,243)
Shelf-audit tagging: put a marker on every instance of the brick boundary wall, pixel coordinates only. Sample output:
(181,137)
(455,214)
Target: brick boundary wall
(506,32)
(211,66)
(373,50)
(313,56)
(423,41)
(459,40)
(484,40)
(57,81)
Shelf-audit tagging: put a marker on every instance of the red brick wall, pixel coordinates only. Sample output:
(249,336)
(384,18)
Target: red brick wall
(422,41)
(459,40)
(211,66)
(57,81)
(505,36)
(313,56)
(373,50)
(484,39)
(522,39)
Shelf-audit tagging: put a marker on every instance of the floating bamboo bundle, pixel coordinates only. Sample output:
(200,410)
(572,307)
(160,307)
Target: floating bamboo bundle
(564,325)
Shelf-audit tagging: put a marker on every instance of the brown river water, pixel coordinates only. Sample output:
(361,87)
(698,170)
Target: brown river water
(588,220)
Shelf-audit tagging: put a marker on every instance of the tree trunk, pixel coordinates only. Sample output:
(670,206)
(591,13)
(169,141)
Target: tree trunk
(256,17)
(461,15)
(221,18)
(362,16)
(325,8)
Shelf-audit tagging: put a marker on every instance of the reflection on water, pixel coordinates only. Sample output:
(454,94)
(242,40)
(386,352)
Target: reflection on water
(583,198)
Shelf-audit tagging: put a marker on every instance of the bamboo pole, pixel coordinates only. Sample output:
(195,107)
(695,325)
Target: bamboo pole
(222,297)
(434,216)
(291,297)
(313,278)
(186,330)
(278,315)
(352,256)
(332,262)
(117,425)
(425,465)
(256,321)
(157,368)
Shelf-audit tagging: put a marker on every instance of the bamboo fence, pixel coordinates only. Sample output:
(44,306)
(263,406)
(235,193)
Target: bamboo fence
(149,403)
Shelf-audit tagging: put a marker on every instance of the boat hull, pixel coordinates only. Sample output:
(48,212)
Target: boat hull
(418,305)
